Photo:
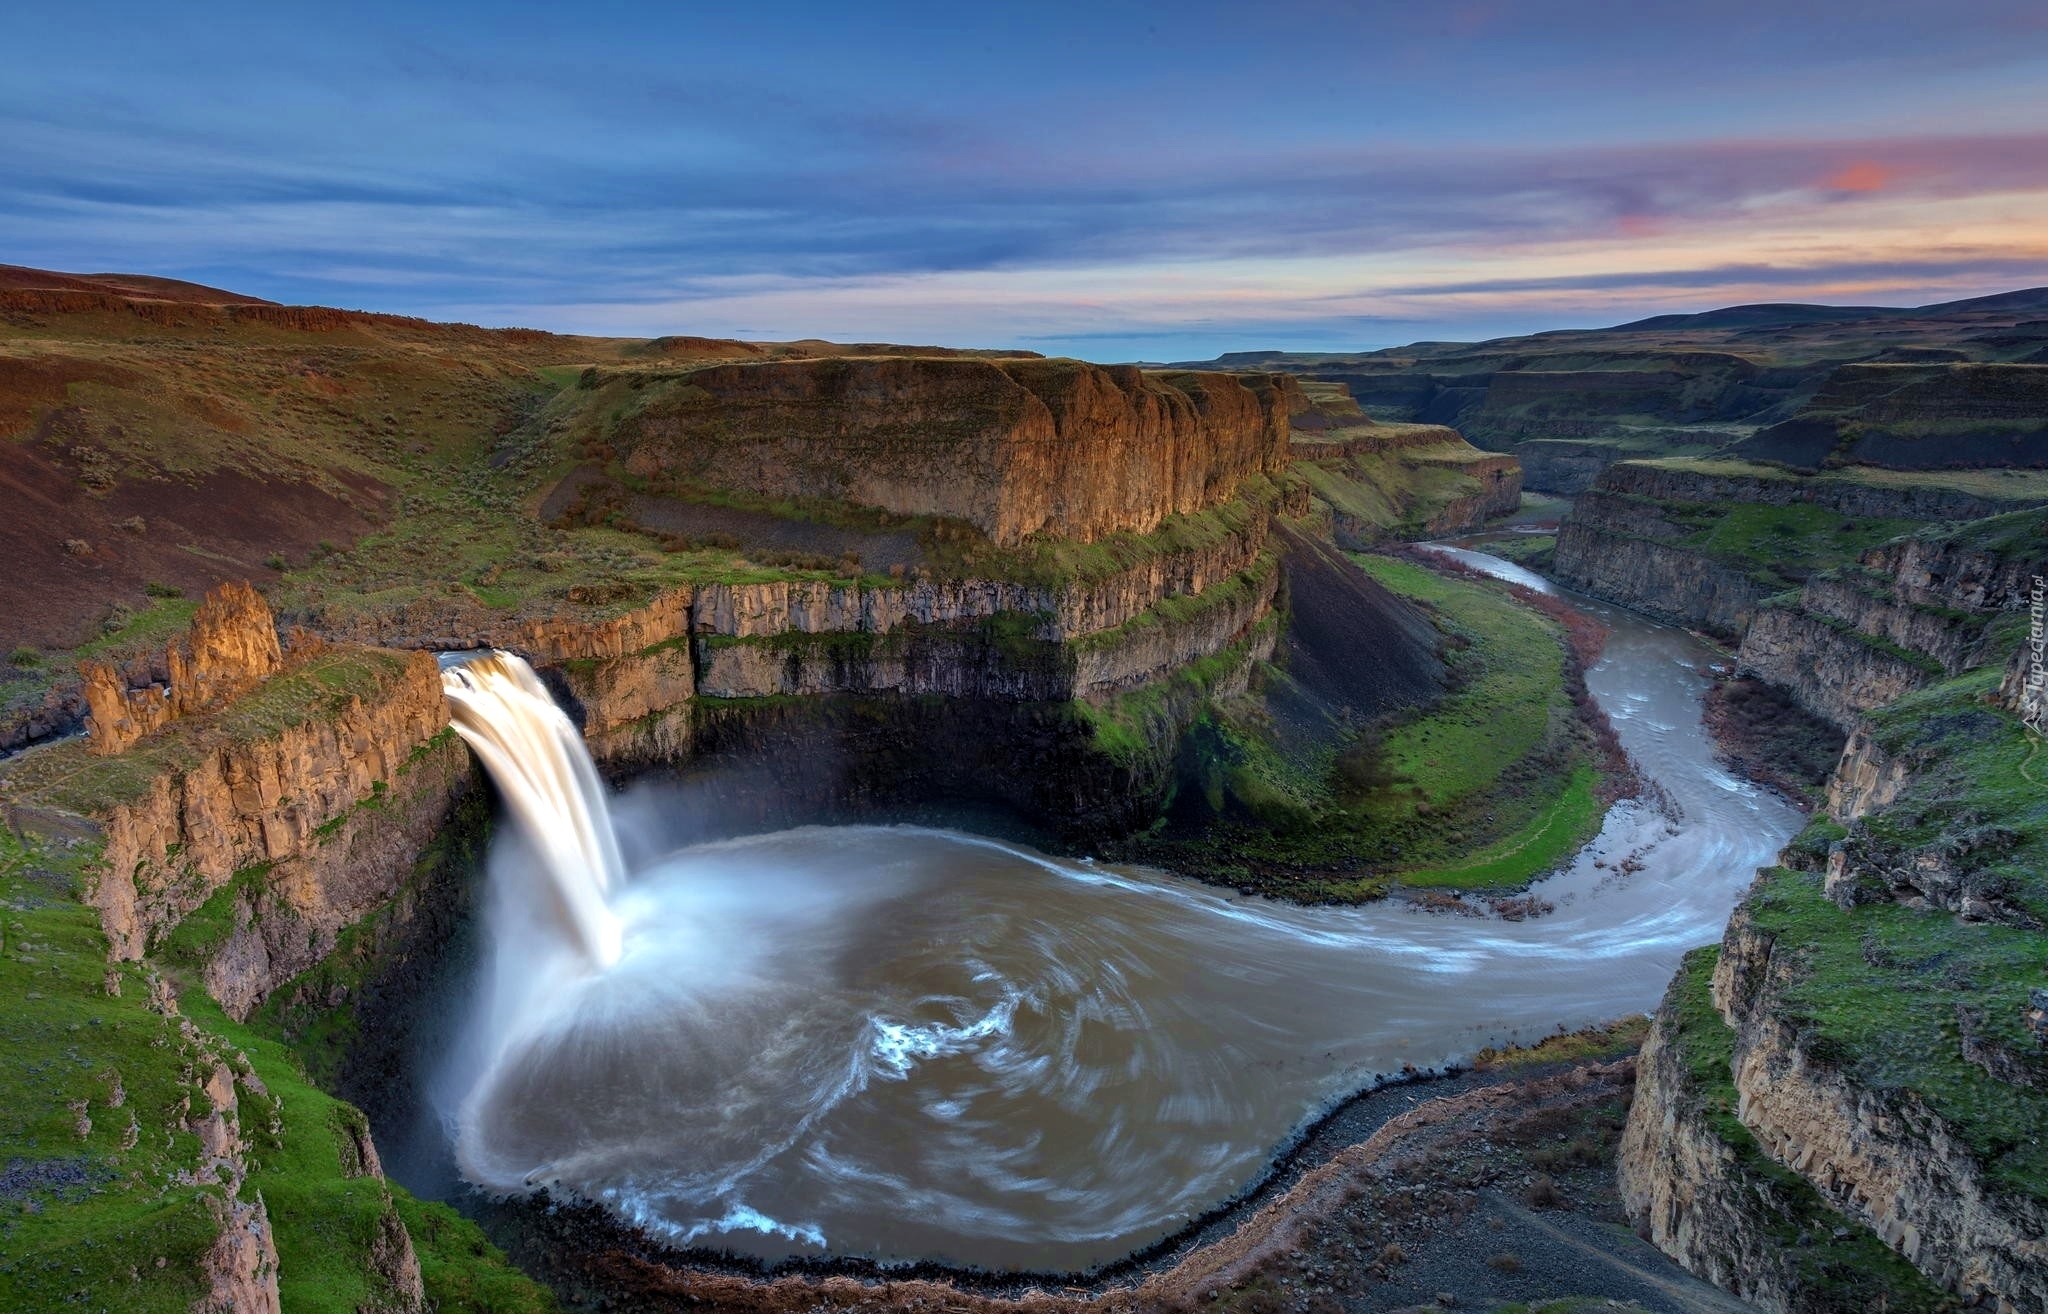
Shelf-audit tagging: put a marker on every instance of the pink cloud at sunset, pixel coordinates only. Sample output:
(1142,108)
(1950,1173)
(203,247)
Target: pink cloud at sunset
(1862,176)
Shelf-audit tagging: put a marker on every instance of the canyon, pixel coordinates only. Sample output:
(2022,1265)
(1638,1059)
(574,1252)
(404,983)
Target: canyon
(1134,616)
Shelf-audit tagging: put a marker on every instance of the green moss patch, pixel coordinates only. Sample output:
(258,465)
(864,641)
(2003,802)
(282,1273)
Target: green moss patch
(1488,789)
(98,1201)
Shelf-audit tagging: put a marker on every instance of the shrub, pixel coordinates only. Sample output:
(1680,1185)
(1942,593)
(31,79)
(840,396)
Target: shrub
(26,657)
(276,561)
(156,590)
(1507,1261)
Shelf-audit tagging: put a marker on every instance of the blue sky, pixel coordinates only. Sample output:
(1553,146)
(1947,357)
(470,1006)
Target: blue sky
(1111,180)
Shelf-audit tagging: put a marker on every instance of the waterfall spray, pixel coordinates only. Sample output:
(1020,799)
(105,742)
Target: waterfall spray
(545,774)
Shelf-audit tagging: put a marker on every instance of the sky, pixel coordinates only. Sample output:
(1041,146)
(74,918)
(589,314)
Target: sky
(1109,180)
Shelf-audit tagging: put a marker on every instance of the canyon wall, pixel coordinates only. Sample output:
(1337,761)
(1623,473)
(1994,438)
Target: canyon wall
(1832,667)
(1858,1078)
(1881,1156)
(309,780)
(1699,1184)
(1405,481)
(1907,612)
(1015,447)
(1640,537)
(1599,553)
(629,675)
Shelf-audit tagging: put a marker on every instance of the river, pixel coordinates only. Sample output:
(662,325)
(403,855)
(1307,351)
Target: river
(907,1044)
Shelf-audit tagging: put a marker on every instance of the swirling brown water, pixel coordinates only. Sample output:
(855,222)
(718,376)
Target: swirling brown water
(911,1044)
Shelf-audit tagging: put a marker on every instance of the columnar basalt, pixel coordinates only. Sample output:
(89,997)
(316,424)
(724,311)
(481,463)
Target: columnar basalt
(1883,1157)
(1905,613)
(231,648)
(1607,549)
(1827,1059)
(1644,535)
(1015,447)
(321,771)
(1833,668)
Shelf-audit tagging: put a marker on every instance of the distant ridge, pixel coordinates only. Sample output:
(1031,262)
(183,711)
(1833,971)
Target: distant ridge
(145,287)
(1787,314)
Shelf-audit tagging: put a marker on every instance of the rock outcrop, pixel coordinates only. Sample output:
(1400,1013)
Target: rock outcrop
(241,1267)
(230,649)
(1014,447)
(331,809)
(1833,668)
(1867,1042)
(1697,1182)
(1907,612)
(1882,1157)
(979,660)
(308,780)
(1405,481)
(1623,551)
(1639,536)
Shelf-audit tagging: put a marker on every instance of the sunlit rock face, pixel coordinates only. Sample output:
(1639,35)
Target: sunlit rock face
(1016,447)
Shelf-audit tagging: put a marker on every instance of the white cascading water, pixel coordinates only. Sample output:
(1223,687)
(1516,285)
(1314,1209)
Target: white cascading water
(541,767)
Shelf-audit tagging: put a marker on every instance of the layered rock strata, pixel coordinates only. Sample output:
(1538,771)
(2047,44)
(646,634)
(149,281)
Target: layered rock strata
(1015,447)
(1635,538)
(230,649)
(1908,612)
(1869,1043)
(1882,1157)
(311,779)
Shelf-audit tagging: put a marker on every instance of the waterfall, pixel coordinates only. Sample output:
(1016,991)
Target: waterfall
(545,774)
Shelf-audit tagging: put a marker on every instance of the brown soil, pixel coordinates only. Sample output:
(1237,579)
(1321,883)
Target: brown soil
(149,287)
(185,534)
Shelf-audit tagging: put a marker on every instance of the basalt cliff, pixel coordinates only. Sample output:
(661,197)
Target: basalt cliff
(1841,1106)
(1013,447)
(1708,544)
(241,835)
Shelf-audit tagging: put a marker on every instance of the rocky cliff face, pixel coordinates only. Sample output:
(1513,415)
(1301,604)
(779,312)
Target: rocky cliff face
(1868,778)
(332,809)
(1882,1157)
(1640,536)
(1616,549)
(1701,1187)
(1732,483)
(1871,1037)
(629,676)
(1568,467)
(1831,667)
(1907,612)
(1405,481)
(1015,447)
(230,649)
(983,661)
(309,781)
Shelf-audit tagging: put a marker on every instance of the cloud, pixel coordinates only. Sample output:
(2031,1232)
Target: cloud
(1862,176)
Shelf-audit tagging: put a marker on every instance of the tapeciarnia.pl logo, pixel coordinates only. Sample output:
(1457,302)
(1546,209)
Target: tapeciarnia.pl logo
(2034,698)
